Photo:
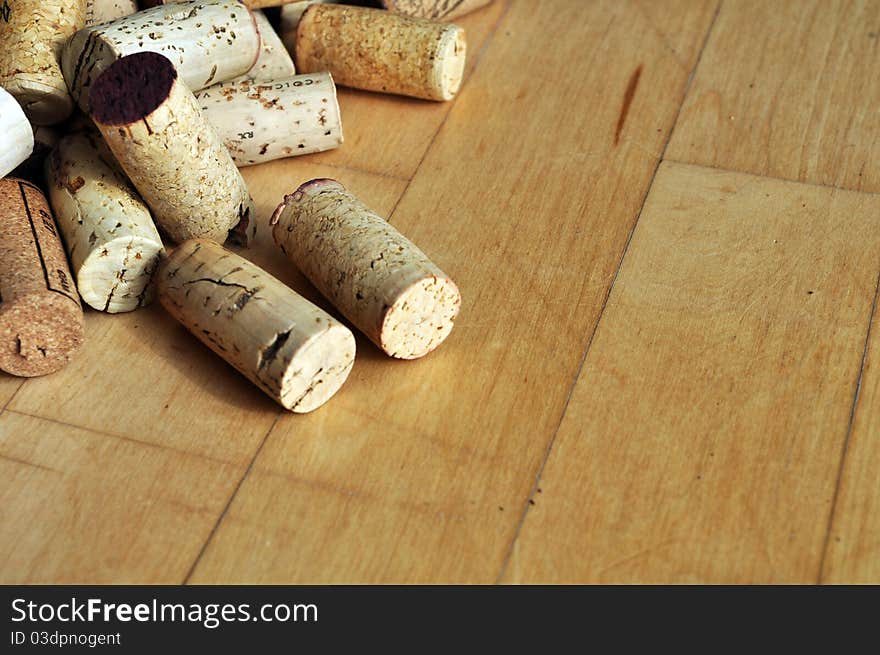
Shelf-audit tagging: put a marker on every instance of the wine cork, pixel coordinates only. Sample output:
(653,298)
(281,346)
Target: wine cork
(291,13)
(210,41)
(274,61)
(32,34)
(16,135)
(434,9)
(41,321)
(31,169)
(371,273)
(376,50)
(175,159)
(295,352)
(104,11)
(262,121)
(108,232)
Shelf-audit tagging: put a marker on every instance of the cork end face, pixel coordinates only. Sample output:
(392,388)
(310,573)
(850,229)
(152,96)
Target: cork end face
(449,63)
(313,187)
(421,318)
(318,370)
(132,88)
(118,277)
(305,190)
(39,334)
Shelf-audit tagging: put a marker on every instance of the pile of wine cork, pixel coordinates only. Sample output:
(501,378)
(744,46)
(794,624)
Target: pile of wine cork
(123,126)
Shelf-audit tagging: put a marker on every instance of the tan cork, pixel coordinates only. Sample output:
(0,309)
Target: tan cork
(262,121)
(371,273)
(41,321)
(376,50)
(108,231)
(434,9)
(104,11)
(208,42)
(32,34)
(175,159)
(295,352)
(16,134)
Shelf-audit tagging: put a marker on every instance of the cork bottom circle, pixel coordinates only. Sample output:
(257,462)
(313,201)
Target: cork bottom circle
(318,370)
(117,277)
(421,318)
(39,334)
(449,63)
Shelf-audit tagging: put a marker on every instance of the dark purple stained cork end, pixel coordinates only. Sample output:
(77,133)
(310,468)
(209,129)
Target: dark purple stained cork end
(132,88)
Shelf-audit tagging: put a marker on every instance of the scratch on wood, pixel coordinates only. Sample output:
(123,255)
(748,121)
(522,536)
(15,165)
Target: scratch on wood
(627,101)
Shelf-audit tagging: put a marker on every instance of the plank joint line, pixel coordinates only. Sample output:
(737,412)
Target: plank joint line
(232,496)
(849,430)
(527,504)
(479,56)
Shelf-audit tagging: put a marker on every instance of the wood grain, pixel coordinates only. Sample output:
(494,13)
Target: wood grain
(80,507)
(388,135)
(702,441)
(419,470)
(788,89)
(853,546)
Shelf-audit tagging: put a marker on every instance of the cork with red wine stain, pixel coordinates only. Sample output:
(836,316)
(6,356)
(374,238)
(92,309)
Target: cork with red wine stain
(371,273)
(41,320)
(208,42)
(173,156)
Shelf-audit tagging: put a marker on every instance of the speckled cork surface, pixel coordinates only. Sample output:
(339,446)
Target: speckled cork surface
(294,351)
(153,125)
(32,35)
(376,50)
(374,275)
(41,321)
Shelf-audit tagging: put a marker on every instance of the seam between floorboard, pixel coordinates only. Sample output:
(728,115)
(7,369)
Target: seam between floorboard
(12,397)
(489,39)
(660,159)
(122,437)
(232,496)
(763,176)
(849,430)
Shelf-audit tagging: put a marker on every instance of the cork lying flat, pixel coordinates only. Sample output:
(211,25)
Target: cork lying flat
(175,159)
(108,232)
(32,34)
(208,42)
(104,11)
(274,61)
(262,121)
(376,277)
(41,321)
(379,51)
(295,352)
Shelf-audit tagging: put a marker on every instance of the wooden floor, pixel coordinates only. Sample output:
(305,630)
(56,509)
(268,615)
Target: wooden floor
(665,221)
